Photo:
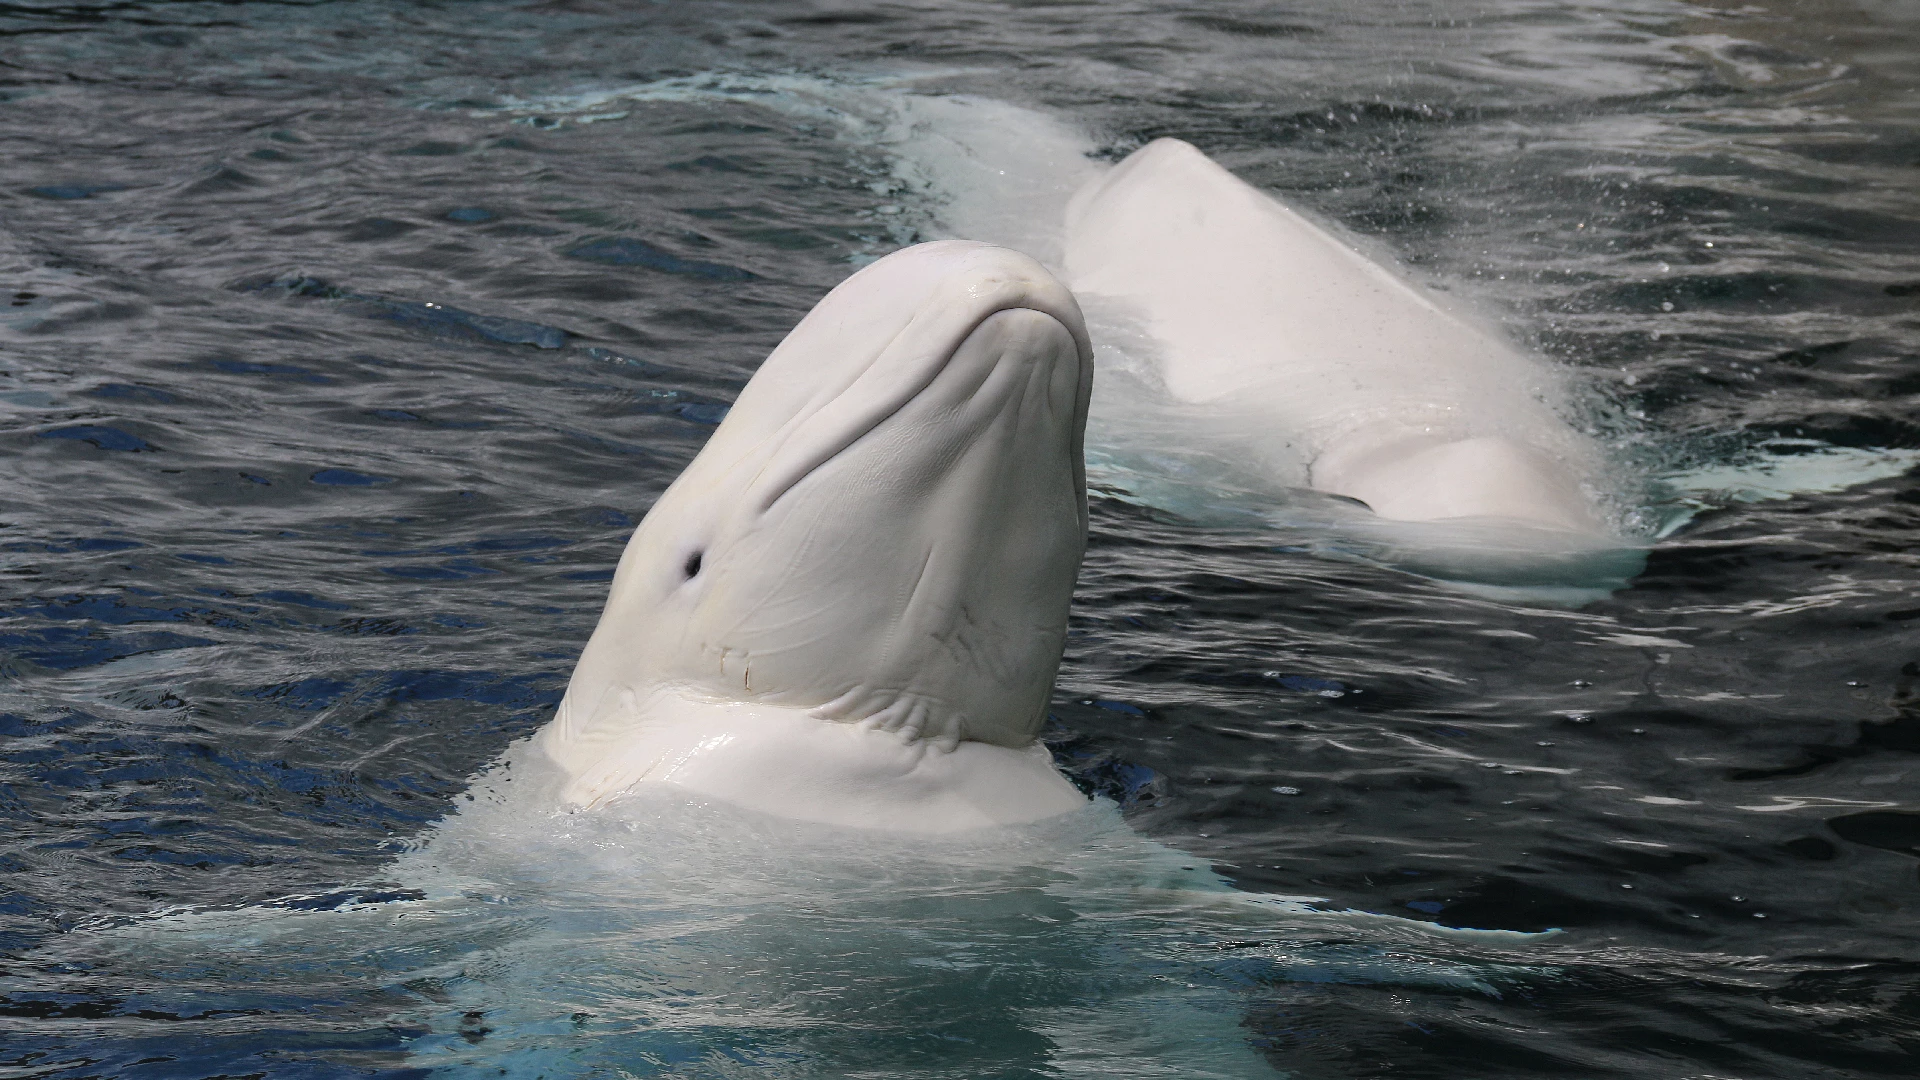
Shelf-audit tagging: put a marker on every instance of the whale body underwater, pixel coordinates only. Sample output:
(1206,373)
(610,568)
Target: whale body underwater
(1318,367)
(1278,326)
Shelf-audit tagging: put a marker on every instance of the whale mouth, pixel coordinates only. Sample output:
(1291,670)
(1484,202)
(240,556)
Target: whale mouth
(825,435)
(873,357)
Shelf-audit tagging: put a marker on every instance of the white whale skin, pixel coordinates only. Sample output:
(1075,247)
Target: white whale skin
(850,607)
(1305,346)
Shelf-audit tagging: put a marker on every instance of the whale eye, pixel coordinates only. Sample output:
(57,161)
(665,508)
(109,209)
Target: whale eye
(693,564)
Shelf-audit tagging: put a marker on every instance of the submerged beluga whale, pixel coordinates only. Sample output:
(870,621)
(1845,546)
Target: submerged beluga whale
(1407,406)
(851,606)
(1328,367)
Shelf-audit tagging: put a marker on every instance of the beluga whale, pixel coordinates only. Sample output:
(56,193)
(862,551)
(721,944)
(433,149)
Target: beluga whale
(851,606)
(1324,366)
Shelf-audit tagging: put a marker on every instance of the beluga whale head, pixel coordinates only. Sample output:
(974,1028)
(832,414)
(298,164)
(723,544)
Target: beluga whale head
(851,606)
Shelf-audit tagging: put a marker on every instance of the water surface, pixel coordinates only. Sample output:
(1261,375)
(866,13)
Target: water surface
(345,343)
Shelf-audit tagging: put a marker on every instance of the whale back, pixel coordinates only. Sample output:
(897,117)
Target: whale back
(1251,292)
(1335,367)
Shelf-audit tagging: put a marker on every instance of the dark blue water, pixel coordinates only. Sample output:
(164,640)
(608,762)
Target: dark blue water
(344,343)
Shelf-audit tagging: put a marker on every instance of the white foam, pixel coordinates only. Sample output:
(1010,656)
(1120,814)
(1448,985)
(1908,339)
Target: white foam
(658,924)
(1781,469)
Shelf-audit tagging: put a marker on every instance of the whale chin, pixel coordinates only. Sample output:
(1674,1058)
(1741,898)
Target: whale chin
(792,764)
(851,606)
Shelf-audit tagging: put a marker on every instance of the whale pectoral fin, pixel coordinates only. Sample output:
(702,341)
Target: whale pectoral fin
(1486,477)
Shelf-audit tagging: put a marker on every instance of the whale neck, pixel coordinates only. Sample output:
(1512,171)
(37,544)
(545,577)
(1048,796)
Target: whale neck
(792,764)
